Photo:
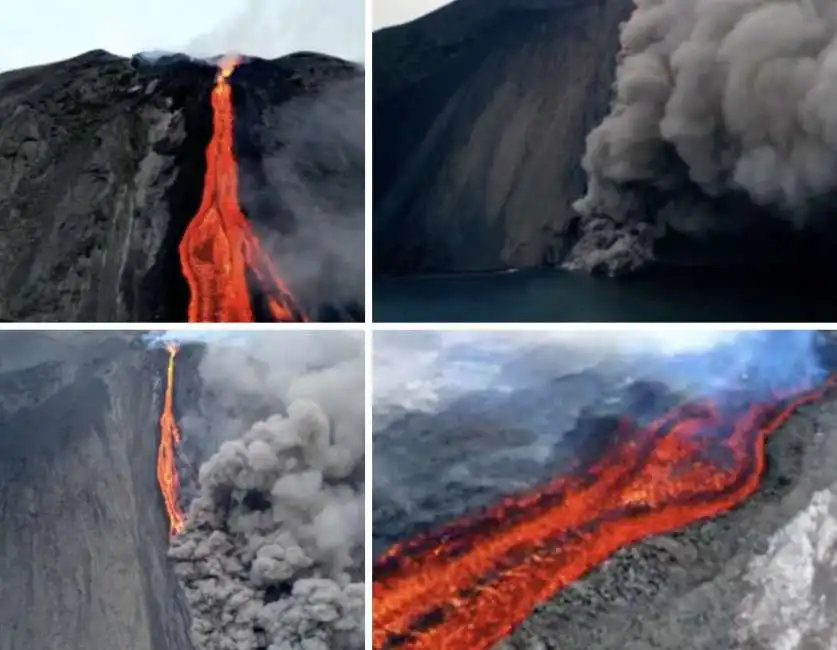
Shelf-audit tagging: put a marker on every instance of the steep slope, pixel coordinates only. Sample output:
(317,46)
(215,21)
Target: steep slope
(480,115)
(715,585)
(84,537)
(102,165)
(759,577)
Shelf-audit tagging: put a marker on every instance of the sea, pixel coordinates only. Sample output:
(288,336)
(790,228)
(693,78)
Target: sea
(543,296)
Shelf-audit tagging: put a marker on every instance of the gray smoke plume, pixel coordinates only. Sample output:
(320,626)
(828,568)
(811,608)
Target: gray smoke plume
(742,92)
(272,553)
(318,171)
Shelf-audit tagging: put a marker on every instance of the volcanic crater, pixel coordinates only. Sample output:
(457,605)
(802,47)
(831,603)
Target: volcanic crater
(103,164)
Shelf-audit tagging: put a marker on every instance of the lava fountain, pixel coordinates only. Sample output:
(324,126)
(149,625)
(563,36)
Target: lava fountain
(219,249)
(167,476)
(470,583)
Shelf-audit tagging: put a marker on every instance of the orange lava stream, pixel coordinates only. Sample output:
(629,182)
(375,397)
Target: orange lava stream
(219,246)
(469,584)
(167,477)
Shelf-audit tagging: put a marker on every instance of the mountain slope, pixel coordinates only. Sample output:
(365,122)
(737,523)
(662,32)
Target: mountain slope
(84,537)
(102,164)
(480,115)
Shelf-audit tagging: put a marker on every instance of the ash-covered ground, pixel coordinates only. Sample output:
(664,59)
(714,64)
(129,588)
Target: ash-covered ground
(102,162)
(460,423)
(272,472)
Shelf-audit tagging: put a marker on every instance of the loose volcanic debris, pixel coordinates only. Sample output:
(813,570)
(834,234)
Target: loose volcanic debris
(472,582)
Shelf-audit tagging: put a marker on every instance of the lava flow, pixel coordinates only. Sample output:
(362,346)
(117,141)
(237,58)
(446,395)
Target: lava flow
(469,584)
(167,476)
(219,247)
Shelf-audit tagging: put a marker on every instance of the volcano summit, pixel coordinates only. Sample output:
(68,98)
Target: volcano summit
(163,188)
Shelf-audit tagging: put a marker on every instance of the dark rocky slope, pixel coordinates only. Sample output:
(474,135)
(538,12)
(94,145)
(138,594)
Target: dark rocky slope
(715,585)
(84,537)
(746,580)
(480,115)
(101,168)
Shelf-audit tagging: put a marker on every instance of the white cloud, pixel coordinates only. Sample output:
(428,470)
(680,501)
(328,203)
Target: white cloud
(270,29)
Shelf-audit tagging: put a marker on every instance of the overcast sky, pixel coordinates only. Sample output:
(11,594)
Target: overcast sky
(413,370)
(41,31)
(394,12)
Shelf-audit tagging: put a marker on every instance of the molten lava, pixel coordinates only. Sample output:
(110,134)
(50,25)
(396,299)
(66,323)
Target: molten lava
(167,476)
(469,584)
(219,247)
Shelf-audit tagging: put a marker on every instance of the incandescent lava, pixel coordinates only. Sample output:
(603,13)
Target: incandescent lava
(219,251)
(470,583)
(167,476)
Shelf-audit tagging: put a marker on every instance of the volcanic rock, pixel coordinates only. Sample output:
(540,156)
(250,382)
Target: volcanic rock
(481,112)
(101,169)
(84,535)
(760,576)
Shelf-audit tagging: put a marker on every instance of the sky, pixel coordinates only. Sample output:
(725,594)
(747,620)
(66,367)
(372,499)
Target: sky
(394,12)
(416,370)
(42,31)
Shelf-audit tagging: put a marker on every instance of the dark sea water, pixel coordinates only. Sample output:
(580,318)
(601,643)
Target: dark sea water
(561,296)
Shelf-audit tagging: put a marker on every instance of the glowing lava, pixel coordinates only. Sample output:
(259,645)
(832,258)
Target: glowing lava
(469,584)
(167,476)
(219,247)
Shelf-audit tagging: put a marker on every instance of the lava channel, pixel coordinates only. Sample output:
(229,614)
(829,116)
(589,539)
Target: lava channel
(469,584)
(167,477)
(219,247)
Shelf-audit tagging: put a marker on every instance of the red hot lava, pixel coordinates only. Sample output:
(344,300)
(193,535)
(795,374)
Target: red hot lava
(167,477)
(219,246)
(469,584)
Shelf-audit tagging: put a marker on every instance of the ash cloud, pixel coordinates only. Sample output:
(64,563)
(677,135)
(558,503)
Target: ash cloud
(272,553)
(317,175)
(734,97)
(273,29)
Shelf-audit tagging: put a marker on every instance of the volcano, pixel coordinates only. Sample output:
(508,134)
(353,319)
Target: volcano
(481,112)
(129,518)
(109,167)
(85,536)
(669,533)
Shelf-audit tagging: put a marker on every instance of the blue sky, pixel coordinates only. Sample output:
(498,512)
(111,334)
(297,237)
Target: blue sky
(393,12)
(41,31)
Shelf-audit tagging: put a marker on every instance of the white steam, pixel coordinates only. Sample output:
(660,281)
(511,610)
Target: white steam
(743,91)
(272,553)
(274,28)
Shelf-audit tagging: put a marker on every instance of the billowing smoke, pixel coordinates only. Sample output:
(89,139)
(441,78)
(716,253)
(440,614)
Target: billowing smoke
(272,553)
(273,29)
(738,94)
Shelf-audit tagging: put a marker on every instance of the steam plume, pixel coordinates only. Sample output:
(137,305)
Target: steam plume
(318,171)
(272,553)
(742,92)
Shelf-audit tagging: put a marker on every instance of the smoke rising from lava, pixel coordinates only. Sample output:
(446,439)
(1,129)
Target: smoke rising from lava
(496,414)
(272,552)
(273,29)
(317,175)
(742,91)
